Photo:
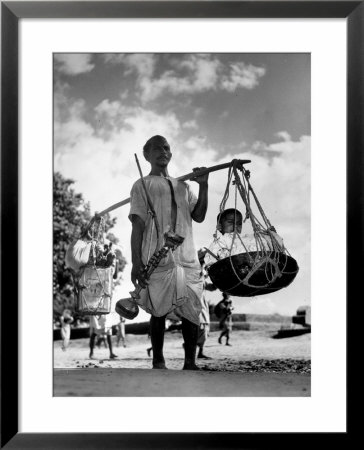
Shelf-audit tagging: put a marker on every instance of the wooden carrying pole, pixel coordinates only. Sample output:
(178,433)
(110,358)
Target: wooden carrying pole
(188,176)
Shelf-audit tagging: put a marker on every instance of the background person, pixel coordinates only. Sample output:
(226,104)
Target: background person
(66,319)
(99,326)
(120,332)
(226,322)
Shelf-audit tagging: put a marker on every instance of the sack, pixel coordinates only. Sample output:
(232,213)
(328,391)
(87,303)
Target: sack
(77,254)
(219,308)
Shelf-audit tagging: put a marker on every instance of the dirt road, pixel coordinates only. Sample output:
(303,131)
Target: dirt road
(255,365)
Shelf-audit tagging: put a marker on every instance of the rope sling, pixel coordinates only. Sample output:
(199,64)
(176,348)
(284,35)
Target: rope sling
(250,273)
(93,283)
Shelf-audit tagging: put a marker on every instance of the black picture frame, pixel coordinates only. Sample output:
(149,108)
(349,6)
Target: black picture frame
(11,13)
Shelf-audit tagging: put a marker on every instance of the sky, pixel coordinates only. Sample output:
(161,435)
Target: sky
(211,108)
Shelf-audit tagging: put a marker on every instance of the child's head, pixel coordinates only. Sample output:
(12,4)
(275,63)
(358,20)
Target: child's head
(228,219)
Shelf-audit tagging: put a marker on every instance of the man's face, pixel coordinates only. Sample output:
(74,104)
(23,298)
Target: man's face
(160,154)
(228,223)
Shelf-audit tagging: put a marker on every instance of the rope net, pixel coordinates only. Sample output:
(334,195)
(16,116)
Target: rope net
(254,267)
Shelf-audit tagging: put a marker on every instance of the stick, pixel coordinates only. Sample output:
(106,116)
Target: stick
(202,172)
(188,176)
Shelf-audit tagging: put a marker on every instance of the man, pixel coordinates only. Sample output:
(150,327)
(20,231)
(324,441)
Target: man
(176,284)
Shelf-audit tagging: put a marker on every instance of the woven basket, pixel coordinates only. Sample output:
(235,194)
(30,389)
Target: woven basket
(229,274)
(94,290)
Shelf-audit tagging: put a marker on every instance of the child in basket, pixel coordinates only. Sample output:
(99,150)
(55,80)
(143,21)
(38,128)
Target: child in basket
(224,243)
(229,242)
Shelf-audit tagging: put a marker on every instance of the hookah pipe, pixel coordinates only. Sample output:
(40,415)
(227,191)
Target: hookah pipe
(172,241)
(128,307)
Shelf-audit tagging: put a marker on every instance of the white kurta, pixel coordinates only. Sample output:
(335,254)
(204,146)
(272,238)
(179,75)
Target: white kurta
(101,324)
(176,284)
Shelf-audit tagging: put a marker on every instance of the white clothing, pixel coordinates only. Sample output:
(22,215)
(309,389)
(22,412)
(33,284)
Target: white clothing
(101,324)
(224,245)
(176,284)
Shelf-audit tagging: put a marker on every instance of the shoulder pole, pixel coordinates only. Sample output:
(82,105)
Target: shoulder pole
(188,176)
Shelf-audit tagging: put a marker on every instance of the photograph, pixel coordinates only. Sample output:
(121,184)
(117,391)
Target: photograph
(181,198)
(182,224)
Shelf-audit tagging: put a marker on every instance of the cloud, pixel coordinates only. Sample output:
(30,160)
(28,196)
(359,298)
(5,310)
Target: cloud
(285,145)
(283,135)
(100,157)
(284,185)
(69,123)
(200,75)
(185,74)
(73,64)
(242,76)
(142,64)
(190,124)
(109,109)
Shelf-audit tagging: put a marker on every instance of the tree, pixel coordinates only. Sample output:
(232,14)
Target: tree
(71,213)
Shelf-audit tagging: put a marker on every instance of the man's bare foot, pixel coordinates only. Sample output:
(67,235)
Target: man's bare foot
(203,356)
(112,356)
(190,367)
(159,365)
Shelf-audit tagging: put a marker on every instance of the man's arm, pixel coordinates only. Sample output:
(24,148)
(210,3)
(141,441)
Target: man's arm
(199,212)
(136,251)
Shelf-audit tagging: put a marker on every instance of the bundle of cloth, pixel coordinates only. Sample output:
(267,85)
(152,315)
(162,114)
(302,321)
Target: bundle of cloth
(82,252)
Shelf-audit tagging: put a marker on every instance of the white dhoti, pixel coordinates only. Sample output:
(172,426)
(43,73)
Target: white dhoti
(178,289)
